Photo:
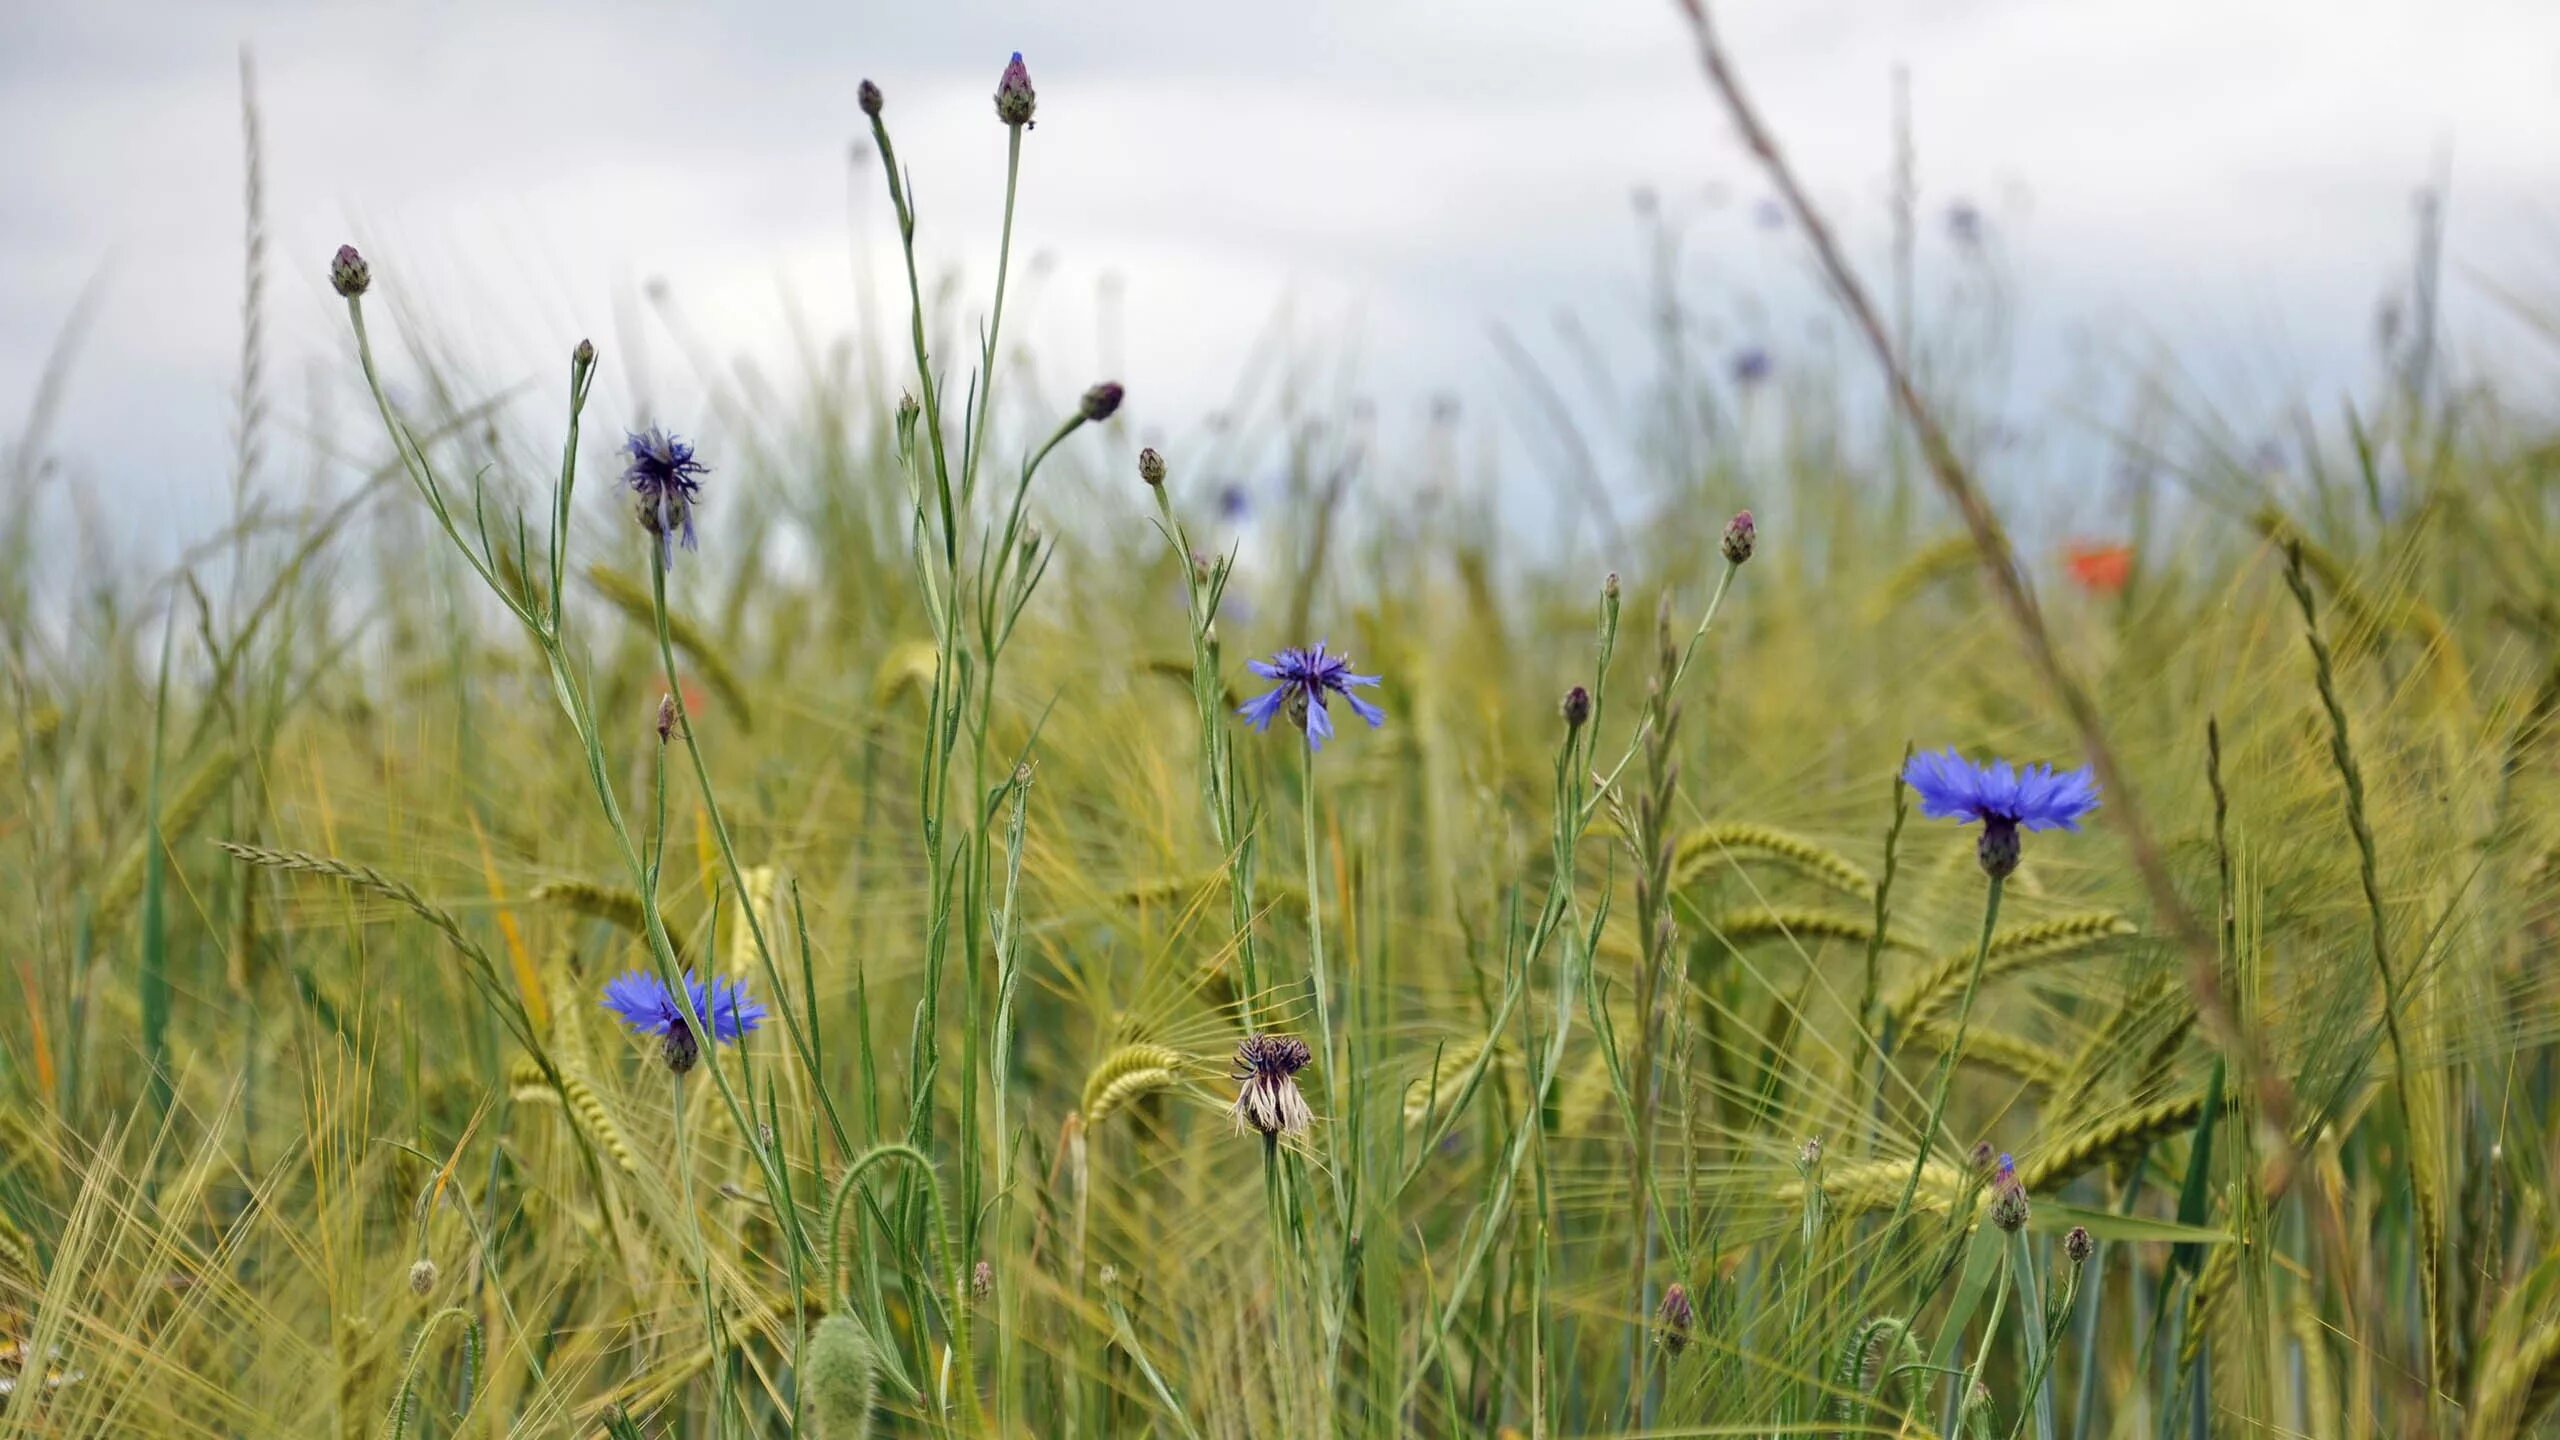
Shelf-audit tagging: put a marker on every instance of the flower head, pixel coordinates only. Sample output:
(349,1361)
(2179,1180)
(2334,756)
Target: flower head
(2078,1245)
(2099,569)
(867,95)
(348,274)
(1307,678)
(1672,1322)
(1576,708)
(1014,100)
(666,477)
(2001,796)
(2008,1198)
(1268,1101)
(1741,536)
(643,1002)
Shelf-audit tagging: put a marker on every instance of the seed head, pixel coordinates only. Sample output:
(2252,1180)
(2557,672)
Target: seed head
(1151,466)
(348,274)
(1100,401)
(1268,1100)
(1809,1159)
(1739,537)
(1577,708)
(982,1280)
(422,1276)
(2077,1244)
(1014,100)
(1609,587)
(1672,1322)
(867,95)
(2008,1198)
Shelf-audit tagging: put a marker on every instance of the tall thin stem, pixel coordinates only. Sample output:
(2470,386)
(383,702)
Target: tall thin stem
(1947,1058)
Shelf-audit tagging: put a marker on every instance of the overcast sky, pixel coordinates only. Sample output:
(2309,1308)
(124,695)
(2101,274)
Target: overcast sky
(2230,180)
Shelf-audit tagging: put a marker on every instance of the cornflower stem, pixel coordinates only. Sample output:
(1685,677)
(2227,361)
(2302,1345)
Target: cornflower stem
(1945,1080)
(1008,976)
(2043,1336)
(701,1258)
(1635,742)
(924,365)
(1335,1082)
(1217,773)
(1971,1375)
(801,1042)
(1283,1268)
(977,444)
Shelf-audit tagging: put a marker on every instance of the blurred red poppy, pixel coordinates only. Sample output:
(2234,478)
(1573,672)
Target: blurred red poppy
(2099,569)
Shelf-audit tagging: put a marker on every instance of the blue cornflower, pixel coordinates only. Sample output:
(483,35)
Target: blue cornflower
(643,1002)
(666,477)
(2003,798)
(1305,676)
(2008,1198)
(1751,365)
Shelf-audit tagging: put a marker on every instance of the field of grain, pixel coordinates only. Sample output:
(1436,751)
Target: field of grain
(1612,1028)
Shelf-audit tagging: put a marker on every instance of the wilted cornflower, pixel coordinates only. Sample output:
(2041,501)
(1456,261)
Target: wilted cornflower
(2008,1198)
(1268,1102)
(1673,1321)
(1307,678)
(1100,402)
(666,477)
(643,1002)
(2003,798)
